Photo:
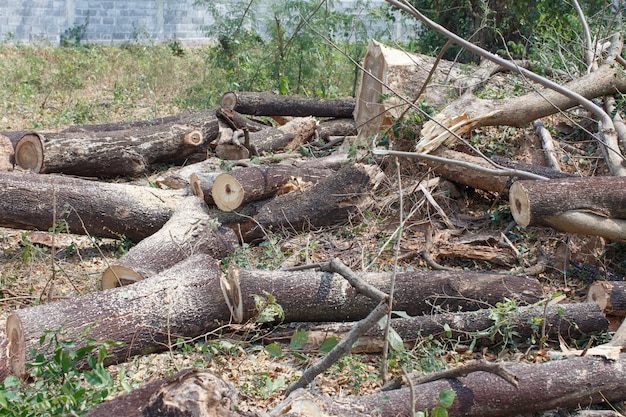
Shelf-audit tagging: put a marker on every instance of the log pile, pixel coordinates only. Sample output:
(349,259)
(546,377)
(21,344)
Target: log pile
(170,285)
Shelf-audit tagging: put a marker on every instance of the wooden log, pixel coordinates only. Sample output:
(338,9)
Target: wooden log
(592,205)
(189,231)
(610,296)
(6,154)
(190,392)
(336,127)
(270,104)
(541,387)
(118,152)
(179,177)
(181,301)
(187,300)
(232,189)
(238,121)
(329,202)
(28,201)
(523,326)
(318,296)
(201,185)
(286,137)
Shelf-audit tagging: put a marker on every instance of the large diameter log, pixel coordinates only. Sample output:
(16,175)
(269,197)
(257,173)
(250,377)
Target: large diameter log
(270,104)
(610,296)
(240,186)
(320,296)
(28,201)
(288,137)
(524,324)
(184,301)
(118,152)
(590,205)
(570,383)
(189,231)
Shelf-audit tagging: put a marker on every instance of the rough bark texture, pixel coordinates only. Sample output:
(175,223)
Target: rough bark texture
(190,392)
(201,185)
(610,296)
(287,137)
(117,152)
(184,300)
(27,201)
(270,104)
(330,201)
(240,186)
(319,296)
(524,324)
(590,205)
(189,231)
(336,127)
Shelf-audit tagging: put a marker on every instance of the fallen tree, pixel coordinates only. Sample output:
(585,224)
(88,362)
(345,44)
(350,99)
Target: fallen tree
(192,298)
(112,153)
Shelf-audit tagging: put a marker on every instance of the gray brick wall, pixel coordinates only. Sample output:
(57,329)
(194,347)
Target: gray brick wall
(112,21)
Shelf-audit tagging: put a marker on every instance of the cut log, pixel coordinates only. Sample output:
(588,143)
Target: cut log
(86,207)
(376,106)
(336,127)
(190,392)
(237,121)
(329,202)
(119,152)
(287,137)
(6,154)
(610,296)
(270,104)
(240,186)
(201,185)
(570,321)
(187,300)
(179,177)
(541,387)
(146,316)
(189,231)
(593,205)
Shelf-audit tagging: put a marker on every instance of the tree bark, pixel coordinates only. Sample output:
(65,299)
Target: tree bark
(184,301)
(189,231)
(118,152)
(336,127)
(556,384)
(591,205)
(610,296)
(187,300)
(180,177)
(270,104)
(522,325)
(28,201)
(232,189)
(190,392)
(287,137)
(329,202)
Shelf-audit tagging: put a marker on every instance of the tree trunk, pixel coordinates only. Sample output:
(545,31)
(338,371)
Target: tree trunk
(187,300)
(486,328)
(189,231)
(117,152)
(610,296)
(329,202)
(28,201)
(270,104)
(190,392)
(180,176)
(287,137)
(201,185)
(566,383)
(183,301)
(336,127)
(240,186)
(591,205)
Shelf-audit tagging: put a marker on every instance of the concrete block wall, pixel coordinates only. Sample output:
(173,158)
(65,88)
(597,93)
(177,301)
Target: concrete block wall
(114,21)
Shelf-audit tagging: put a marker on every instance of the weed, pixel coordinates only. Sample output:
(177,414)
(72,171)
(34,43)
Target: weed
(57,387)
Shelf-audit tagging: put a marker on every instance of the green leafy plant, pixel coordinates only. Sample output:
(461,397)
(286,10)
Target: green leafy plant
(446,398)
(58,387)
